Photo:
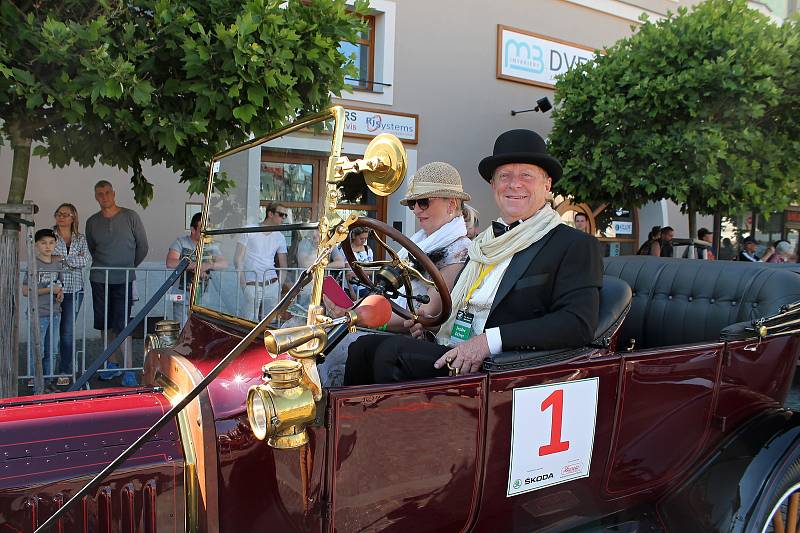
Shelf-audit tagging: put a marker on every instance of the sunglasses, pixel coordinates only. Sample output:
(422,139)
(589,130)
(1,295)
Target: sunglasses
(63,215)
(423,203)
(281,214)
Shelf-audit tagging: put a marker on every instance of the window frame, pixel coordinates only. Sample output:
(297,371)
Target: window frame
(383,58)
(369,86)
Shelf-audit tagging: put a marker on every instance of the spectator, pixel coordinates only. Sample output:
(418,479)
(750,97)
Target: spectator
(186,246)
(118,244)
(704,234)
(651,243)
(782,252)
(257,256)
(471,220)
(71,247)
(582,222)
(363,253)
(49,294)
(749,252)
(307,252)
(664,248)
(726,250)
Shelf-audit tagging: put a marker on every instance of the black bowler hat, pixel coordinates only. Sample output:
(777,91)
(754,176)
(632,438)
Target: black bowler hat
(520,146)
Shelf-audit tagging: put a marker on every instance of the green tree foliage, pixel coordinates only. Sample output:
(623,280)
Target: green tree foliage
(122,82)
(700,108)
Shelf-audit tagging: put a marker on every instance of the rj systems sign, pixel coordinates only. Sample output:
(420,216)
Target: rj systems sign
(535,59)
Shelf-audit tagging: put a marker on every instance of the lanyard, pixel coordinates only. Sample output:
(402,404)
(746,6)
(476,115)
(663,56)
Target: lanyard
(485,270)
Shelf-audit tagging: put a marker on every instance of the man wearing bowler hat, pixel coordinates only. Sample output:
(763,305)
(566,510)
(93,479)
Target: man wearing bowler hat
(531,282)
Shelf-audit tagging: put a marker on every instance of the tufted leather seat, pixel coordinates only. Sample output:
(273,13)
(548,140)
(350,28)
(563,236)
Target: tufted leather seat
(682,301)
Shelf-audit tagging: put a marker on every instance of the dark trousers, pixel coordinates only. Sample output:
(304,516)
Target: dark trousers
(69,315)
(113,314)
(390,359)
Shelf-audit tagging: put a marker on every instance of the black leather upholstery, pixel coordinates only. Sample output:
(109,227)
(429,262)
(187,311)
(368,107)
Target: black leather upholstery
(615,299)
(682,301)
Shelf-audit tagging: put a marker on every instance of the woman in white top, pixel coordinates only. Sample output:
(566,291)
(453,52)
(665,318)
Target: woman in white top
(71,247)
(362,251)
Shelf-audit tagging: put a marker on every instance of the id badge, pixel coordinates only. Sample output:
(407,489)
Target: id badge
(462,327)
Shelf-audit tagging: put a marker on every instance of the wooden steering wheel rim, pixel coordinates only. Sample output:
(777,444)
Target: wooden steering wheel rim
(416,253)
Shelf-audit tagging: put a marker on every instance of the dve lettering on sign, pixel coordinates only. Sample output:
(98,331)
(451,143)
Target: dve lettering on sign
(552,434)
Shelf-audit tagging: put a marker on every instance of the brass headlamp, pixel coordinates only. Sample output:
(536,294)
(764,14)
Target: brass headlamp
(281,408)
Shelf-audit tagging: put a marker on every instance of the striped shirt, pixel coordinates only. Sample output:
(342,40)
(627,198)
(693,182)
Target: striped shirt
(75,259)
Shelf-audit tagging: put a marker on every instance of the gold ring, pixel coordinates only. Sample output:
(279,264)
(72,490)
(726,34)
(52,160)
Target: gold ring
(449,360)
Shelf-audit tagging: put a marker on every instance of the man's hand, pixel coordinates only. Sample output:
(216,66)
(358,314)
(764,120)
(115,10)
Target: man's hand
(466,357)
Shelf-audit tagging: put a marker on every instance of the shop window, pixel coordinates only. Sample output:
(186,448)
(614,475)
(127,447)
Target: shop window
(298,182)
(616,228)
(362,55)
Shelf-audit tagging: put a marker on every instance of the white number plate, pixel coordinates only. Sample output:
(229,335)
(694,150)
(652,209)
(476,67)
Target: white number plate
(552,434)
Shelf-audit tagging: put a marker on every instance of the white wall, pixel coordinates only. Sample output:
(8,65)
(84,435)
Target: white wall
(48,187)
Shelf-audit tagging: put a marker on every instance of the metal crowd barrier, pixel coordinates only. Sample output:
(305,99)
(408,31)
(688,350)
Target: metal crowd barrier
(88,343)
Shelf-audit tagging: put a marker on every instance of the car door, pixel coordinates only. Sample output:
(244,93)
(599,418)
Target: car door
(406,457)
(548,436)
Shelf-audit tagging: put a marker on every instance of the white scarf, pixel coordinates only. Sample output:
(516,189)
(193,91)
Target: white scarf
(438,239)
(487,249)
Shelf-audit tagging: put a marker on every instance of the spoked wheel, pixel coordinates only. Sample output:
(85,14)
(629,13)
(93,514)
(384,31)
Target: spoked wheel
(784,515)
(400,271)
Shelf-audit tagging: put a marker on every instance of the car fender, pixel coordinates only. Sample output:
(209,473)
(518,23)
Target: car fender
(727,488)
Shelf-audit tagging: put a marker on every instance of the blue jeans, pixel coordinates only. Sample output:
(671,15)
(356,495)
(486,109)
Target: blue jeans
(69,315)
(45,330)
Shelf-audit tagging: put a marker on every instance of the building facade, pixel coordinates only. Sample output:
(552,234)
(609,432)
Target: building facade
(440,75)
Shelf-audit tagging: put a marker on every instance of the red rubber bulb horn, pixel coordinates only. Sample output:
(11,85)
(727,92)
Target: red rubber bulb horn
(373,311)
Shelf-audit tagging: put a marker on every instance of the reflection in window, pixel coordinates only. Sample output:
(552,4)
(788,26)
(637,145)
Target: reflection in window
(287,182)
(361,54)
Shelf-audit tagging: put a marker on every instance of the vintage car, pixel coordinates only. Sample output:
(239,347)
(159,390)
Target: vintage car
(671,419)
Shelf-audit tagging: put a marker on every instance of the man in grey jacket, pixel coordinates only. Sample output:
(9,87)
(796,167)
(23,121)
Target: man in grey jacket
(118,244)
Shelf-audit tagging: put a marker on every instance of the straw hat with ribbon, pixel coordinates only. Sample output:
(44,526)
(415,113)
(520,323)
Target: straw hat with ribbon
(435,180)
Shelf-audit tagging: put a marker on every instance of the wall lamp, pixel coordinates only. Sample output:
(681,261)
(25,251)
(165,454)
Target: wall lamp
(542,104)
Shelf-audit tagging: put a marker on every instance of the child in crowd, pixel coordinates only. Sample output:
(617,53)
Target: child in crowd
(49,294)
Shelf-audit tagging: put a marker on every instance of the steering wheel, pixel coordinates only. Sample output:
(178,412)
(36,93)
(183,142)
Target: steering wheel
(397,272)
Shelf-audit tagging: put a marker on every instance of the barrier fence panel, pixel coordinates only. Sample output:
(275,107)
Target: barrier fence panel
(92,330)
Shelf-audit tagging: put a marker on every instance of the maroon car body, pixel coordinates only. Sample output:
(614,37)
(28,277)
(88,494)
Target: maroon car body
(690,436)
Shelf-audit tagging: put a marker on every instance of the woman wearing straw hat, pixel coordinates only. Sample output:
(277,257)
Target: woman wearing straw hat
(435,195)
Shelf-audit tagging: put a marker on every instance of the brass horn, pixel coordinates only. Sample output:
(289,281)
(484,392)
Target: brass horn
(288,339)
(384,165)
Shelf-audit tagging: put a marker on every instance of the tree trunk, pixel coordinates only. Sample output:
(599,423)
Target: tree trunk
(9,293)
(692,213)
(9,268)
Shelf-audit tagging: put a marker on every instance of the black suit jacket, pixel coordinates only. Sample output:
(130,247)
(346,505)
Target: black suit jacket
(550,297)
